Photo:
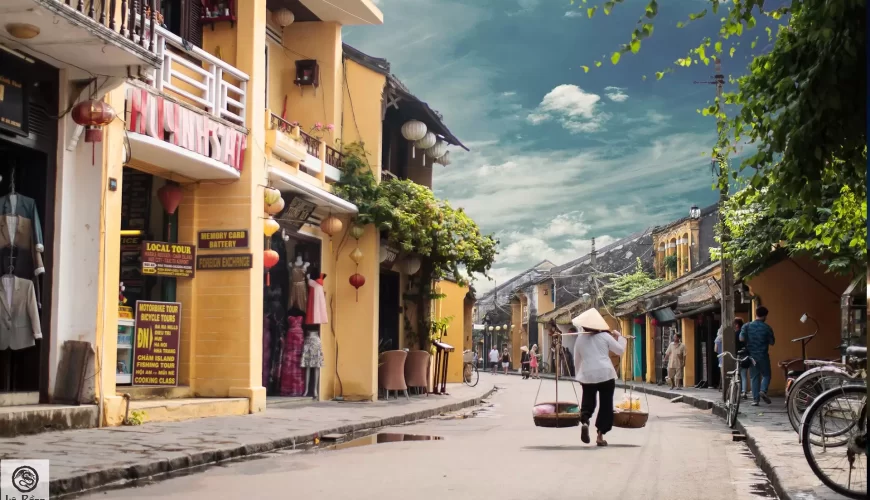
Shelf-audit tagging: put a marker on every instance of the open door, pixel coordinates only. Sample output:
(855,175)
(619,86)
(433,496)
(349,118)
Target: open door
(388,312)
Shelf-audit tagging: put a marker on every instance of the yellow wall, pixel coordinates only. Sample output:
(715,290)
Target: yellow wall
(545,305)
(688,329)
(452,306)
(819,297)
(362,123)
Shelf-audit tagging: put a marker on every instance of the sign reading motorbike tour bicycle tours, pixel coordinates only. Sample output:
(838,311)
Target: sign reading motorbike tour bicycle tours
(155,352)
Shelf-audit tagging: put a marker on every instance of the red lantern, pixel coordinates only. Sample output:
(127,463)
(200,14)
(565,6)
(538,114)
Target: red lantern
(270,258)
(638,321)
(170,196)
(93,115)
(357,280)
(654,322)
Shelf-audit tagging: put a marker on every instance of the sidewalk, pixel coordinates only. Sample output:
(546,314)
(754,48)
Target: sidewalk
(89,458)
(768,434)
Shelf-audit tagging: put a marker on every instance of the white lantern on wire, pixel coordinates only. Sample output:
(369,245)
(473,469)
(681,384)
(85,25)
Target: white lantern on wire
(437,151)
(283,17)
(444,160)
(414,130)
(412,265)
(427,141)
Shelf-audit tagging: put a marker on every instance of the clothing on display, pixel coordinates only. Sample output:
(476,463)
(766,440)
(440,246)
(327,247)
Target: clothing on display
(298,285)
(312,351)
(316,303)
(19,315)
(291,377)
(15,204)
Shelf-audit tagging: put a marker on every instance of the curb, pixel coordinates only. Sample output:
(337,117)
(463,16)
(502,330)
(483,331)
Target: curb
(113,476)
(761,459)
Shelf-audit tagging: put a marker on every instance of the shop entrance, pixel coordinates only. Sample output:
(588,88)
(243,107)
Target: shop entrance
(292,316)
(388,313)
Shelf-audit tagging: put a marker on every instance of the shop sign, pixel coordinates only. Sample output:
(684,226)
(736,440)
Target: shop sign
(168,260)
(155,353)
(13,101)
(298,211)
(171,122)
(223,240)
(224,262)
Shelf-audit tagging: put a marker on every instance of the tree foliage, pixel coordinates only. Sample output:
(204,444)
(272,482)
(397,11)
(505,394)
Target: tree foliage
(630,286)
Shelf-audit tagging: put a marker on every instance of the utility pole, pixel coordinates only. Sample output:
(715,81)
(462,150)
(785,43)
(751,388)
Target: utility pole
(720,165)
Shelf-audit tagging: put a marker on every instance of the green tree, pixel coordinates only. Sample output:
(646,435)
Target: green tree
(626,287)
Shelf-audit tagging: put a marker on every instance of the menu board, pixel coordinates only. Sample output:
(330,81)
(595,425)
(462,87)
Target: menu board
(168,260)
(155,355)
(135,199)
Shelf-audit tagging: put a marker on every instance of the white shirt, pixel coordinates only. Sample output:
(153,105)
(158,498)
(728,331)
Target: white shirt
(592,358)
(493,356)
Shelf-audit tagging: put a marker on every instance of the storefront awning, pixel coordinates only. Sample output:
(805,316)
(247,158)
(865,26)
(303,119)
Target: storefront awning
(170,158)
(323,199)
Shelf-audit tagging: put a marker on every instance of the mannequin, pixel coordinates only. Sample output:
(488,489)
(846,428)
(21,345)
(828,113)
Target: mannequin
(316,313)
(312,360)
(292,355)
(298,283)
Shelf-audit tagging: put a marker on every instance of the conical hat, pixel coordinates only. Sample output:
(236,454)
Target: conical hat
(590,319)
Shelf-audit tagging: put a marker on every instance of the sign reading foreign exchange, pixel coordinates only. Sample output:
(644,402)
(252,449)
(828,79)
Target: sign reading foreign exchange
(224,262)
(168,260)
(223,240)
(155,353)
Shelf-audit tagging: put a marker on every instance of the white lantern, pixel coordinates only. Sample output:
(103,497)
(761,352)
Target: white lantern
(283,17)
(427,141)
(438,150)
(414,130)
(444,160)
(412,265)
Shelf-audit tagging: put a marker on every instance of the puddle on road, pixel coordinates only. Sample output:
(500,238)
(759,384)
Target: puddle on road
(380,438)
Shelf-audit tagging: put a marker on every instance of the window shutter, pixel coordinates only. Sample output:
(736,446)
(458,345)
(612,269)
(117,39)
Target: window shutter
(191,25)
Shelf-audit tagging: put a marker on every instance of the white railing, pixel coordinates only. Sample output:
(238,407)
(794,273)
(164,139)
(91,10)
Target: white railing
(205,82)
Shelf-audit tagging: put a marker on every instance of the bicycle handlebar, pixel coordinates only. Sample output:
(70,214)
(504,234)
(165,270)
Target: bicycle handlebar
(803,338)
(731,356)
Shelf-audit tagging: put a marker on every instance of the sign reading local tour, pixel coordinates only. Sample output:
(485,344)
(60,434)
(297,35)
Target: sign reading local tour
(168,260)
(224,262)
(155,353)
(223,240)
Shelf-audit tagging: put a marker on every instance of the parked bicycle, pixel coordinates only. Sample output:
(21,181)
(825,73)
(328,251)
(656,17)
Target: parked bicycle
(470,374)
(821,376)
(834,435)
(732,398)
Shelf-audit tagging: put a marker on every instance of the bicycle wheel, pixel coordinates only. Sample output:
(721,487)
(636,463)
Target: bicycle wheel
(470,375)
(808,387)
(733,404)
(841,468)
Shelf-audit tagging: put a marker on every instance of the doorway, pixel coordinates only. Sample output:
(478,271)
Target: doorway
(388,311)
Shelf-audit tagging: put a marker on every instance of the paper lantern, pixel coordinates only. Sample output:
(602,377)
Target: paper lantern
(271,195)
(356,255)
(654,322)
(331,225)
(356,231)
(270,258)
(412,265)
(438,150)
(427,141)
(93,115)
(357,280)
(274,208)
(414,130)
(444,160)
(283,17)
(170,197)
(270,227)
(638,321)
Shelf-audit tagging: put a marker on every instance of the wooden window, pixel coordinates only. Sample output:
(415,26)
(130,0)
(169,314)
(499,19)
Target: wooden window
(182,17)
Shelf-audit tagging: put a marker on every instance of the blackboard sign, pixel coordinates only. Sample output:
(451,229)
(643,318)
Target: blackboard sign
(13,96)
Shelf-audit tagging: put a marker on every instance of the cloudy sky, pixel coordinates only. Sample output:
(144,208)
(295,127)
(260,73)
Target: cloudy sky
(558,156)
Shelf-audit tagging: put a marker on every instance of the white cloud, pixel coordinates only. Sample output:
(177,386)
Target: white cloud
(568,224)
(616,94)
(573,13)
(508,94)
(576,109)
(525,7)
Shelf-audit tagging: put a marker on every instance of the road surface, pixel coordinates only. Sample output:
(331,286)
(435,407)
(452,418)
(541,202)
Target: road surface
(495,451)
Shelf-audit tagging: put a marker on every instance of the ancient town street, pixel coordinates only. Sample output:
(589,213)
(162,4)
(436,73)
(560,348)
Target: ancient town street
(494,451)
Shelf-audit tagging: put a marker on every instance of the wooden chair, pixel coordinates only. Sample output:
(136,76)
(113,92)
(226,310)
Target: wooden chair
(391,373)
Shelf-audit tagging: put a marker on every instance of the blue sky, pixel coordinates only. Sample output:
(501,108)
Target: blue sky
(558,156)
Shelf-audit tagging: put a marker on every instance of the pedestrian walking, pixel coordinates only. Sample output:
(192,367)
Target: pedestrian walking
(525,361)
(675,357)
(505,360)
(595,371)
(493,359)
(533,361)
(717,348)
(758,336)
(569,356)
(740,345)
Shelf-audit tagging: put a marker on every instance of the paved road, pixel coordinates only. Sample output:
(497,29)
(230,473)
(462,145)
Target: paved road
(682,454)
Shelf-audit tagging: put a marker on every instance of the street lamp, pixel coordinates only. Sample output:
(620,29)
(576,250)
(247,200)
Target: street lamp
(695,212)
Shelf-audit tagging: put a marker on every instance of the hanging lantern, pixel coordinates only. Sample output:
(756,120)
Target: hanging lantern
(357,280)
(356,231)
(491,328)
(356,255)
(331,225)
(283,17)
(270,258)
(638,321)
(274,208)
(427,141)
(170,197)
(413,130)
(438,150)
(270,227)
(654,322)
(444,160)
(412,265)
(93,115)
(271,195)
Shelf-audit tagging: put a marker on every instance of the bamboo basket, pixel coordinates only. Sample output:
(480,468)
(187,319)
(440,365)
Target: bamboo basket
(559,419)
(630,419)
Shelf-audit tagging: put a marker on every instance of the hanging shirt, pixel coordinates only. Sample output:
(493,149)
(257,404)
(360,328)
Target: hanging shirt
(592,357)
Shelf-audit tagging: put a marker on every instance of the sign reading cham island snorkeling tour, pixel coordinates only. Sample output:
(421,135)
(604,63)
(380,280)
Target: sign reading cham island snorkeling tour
(168,260)
(155,354)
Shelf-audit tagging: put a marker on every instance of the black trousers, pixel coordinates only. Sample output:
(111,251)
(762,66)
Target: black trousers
(604,393)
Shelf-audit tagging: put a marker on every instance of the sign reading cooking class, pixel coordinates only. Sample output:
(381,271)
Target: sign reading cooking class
(223,240)
(155,353)
(168,260)
(171,122)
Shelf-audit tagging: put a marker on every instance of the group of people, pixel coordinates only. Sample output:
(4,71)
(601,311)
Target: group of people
(753,338)
(529,361)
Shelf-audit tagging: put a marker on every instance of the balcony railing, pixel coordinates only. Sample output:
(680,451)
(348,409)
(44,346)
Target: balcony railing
(311,144)
(386,175)
(202,84)
(125,17)
(333,157)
